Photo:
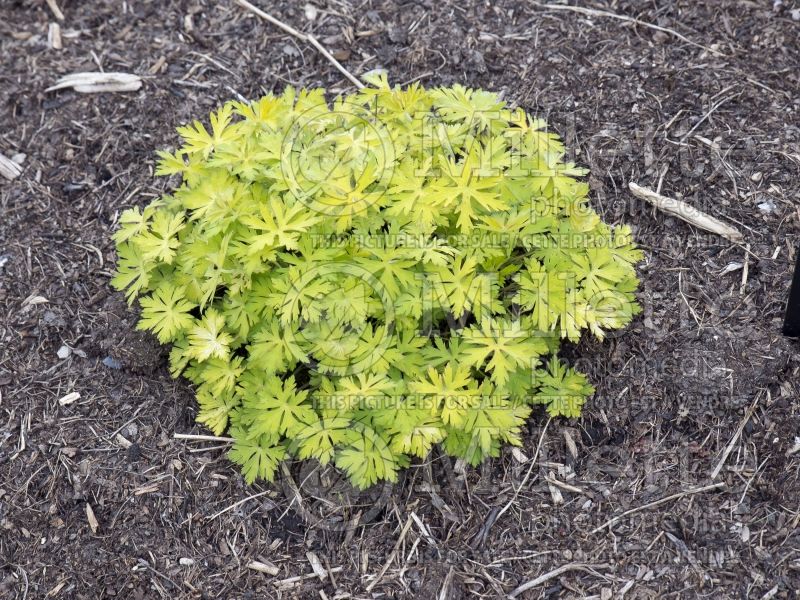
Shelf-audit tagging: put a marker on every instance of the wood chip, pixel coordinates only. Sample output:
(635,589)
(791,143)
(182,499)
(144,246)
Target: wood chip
(93,524)
(687,213)
(571,446)
(69,398)
(8,168)
(263,567)
(316,566)
(54,36)
(89,83)
(145,489)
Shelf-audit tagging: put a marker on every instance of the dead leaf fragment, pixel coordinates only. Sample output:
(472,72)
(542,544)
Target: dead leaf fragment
(8,168)
(89,83)
(686,212)
(34,299)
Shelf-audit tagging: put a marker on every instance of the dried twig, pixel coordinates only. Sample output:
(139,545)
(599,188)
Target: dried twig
(735,438)
(708,113)
(392,555)
(745,271)
(686,212)
(550,478)
(202,438)
(528,473)
(90,83)
(555,573)
(235,504)
(691,492)
(305,37)
(593,12)
(293,581)
(448,580)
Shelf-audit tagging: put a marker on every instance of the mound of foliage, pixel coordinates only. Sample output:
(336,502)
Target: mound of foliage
(360,281)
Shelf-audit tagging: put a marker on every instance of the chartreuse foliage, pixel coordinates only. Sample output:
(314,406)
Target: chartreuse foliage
(358,282)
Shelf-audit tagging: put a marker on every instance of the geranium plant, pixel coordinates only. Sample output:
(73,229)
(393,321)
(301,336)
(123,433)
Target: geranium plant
(358,281)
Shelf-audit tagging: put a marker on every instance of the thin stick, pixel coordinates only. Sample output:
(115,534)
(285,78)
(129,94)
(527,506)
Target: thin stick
(392,555)
(554,573)
(708,113)
(593,12)
(305,37)
(745,271)
(735,438)
(528,474)
(202,438)
(691,492)
(235,504)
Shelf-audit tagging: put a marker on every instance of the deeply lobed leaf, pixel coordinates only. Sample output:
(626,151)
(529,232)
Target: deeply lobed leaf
(358,282)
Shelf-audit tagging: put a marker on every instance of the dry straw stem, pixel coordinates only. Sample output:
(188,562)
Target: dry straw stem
(729,448)
(510,503)
(555,573)
(690,492)
(235,504)
(90,83)
(55,10)
(202,438)
(291,582)
(305,37)
(593,12)
(392,554)
(686,212)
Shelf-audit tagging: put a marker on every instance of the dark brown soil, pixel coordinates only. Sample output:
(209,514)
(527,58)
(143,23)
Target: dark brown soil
(703,369)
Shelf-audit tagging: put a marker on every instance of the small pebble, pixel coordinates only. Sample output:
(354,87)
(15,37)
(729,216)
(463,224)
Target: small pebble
(112,363)
(767,206)
(186,562)
(64,352)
